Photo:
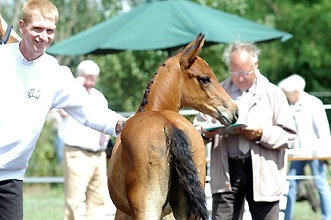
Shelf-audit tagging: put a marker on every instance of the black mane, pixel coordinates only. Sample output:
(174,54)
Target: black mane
(144,100)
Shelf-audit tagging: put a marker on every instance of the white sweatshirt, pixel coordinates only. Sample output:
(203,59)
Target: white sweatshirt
(28,91)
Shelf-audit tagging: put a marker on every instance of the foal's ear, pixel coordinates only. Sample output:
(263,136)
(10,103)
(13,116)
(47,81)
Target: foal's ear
(191,51)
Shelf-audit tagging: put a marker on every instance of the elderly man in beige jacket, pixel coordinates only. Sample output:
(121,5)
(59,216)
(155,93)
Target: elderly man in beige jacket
(249,160)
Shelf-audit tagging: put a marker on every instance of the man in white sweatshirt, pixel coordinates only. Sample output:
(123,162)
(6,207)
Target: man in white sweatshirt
(33,83)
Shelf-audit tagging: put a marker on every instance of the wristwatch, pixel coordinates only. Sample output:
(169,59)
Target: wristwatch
(122,124)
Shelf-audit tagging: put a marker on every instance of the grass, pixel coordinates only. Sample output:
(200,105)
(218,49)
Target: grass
(43,202)
(46,202)
(303,211)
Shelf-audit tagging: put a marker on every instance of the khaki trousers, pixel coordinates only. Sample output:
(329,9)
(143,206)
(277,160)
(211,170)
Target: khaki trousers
(84,176)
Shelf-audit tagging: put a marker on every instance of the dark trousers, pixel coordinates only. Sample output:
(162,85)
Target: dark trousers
(229,205)
(11,200)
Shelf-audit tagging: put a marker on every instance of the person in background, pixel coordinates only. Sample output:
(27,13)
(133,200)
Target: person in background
(84,154)
(249,160)
(33,84)
(313,134)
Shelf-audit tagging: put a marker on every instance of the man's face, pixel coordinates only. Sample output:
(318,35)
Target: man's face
(89,82)
(242,70)
(292,97)
(37,35)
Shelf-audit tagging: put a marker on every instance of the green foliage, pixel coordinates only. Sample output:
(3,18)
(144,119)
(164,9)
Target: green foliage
(44,161)
(124,76)
(213,55)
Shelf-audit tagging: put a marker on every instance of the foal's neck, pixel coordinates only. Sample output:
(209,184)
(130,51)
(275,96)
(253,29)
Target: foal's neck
(163,90)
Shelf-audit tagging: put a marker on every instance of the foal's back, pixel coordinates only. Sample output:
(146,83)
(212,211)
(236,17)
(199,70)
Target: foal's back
(146,170)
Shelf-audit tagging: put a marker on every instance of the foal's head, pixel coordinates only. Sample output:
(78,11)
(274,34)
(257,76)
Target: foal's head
(201,89)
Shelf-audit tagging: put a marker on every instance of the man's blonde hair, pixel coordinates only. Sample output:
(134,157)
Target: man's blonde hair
(46,8)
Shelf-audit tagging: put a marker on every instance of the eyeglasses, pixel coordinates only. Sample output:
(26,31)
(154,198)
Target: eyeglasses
(241,73)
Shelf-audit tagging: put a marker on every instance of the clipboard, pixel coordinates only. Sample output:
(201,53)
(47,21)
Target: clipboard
(223,127)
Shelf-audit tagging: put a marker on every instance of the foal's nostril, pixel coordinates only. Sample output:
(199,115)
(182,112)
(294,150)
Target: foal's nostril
(236,116)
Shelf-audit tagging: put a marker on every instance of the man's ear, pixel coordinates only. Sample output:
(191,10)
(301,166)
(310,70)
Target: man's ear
(21,26)
(256,65)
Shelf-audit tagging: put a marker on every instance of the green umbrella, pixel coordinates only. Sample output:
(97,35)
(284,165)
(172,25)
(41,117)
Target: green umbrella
(162,25)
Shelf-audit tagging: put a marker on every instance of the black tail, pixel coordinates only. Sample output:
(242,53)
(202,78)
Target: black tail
(182,162)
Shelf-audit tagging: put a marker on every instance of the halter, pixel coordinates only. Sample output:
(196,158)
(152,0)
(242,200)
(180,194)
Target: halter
(7,34)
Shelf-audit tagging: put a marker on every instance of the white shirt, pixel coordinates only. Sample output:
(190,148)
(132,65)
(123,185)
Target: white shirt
(313,131)
(76,134)
(28,91)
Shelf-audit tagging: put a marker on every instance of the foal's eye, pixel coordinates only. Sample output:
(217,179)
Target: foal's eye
(204,79)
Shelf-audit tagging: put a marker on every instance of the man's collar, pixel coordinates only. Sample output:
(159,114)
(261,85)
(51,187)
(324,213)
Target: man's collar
(251,89)
(23,60)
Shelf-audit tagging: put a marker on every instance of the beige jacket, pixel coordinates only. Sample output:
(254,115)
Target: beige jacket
(269,109)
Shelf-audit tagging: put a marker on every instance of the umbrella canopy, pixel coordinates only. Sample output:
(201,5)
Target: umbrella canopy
(164,24)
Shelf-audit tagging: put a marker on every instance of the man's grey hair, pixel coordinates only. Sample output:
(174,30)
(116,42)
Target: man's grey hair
(88,67)
(249,47)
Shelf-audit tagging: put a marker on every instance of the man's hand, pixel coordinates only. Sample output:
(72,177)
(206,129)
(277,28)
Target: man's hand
(63,113)
(119,126)
(253,134)
(249,132)
(209,134)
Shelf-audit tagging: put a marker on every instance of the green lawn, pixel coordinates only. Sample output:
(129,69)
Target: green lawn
(43,202)
(46,202)
(303,211)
